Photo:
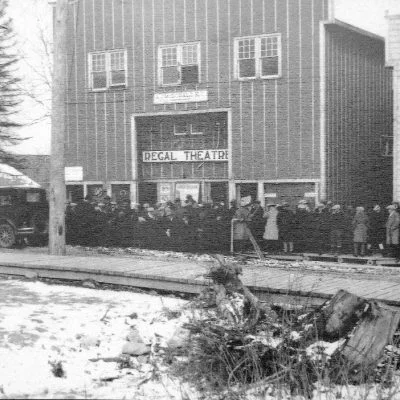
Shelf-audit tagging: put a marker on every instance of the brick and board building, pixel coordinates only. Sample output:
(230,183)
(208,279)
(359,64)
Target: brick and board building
(224,99)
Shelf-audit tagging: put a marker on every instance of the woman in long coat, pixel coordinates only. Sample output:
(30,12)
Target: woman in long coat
(392,231)
(360,225)
(271,233)
(240,226)
(285,221)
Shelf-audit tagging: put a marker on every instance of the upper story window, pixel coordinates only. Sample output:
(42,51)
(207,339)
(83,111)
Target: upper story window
(108,69)
(185,128)
(179,64)
(258,57)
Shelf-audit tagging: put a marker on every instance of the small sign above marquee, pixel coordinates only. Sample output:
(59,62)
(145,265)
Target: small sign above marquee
(73,174)
(194,96)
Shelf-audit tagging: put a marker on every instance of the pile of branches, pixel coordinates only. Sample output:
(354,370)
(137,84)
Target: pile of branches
(241,342)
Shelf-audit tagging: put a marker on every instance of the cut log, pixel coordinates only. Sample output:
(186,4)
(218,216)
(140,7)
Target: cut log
(339,315)
(366,344)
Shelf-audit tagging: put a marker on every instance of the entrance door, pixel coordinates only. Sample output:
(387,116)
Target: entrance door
(247,189)
(219,192)
(148,193)
(120,192)
(74,193)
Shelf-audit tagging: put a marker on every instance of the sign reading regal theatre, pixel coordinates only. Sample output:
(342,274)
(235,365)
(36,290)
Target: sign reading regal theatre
(185,155)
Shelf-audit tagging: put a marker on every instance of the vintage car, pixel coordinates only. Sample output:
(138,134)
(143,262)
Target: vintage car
(24,216)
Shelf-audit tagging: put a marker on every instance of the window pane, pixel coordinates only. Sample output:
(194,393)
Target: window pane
(169,57)
(117,60)
(170,75)
(98,62)
(270,66)
(246,49)
(247,68)
(190,74)
(118,78)
(181,128)
(189,54)
(99,80)
(269,46)
(197,127)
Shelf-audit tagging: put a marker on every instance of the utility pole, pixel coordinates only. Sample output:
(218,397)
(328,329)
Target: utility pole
(58,121)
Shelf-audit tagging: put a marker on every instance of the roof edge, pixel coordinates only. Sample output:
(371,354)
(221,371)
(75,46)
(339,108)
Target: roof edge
(354,29)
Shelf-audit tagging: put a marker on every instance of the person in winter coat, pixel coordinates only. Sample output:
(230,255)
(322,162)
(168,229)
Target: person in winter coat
(392,231)
(303,226)
(285,221)
(360,224)
(240,225)
(271,232)
(377,229)
(321,228)
(337,226)
(257,224)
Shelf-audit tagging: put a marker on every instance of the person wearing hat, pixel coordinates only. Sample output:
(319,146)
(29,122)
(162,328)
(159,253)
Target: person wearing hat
(303,226)
(285,222)
(271,232)
(360,224)
(321,228)
(337,225)
(377,230)
(257,224)
(240,224)
(85,219)
(392,231)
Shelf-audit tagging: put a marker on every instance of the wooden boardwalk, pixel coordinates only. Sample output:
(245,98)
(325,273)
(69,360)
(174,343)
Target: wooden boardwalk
(276,284)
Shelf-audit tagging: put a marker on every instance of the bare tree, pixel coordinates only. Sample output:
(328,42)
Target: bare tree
(36,62)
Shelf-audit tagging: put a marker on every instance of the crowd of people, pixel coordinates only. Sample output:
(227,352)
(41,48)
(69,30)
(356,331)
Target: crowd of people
(212,227)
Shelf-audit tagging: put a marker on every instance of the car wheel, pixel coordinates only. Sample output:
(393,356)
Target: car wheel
(7,236)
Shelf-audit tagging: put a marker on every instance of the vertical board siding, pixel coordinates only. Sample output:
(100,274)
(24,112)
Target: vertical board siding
(356,117)
(275,122)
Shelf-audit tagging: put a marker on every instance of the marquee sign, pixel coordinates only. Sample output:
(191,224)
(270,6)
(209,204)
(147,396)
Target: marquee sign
(193,96)
(185,156)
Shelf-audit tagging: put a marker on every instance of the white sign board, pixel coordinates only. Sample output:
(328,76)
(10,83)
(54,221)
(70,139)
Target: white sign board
(185,156)
(73,174)
(164,192)
(183,189)
(194,96)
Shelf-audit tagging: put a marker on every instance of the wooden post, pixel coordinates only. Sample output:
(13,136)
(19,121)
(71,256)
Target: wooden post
(58,123)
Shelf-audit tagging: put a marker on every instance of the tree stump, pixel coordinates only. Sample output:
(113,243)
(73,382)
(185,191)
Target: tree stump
(339,315)
(367,342)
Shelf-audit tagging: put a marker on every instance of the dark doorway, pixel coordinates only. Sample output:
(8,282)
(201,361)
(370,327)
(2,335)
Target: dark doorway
(148,193)
(248,189)
(120,192)
(74,193)
(219,192)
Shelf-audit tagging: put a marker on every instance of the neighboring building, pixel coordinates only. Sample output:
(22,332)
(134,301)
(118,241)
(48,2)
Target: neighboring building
(224,99)
(11,177)
(393,60)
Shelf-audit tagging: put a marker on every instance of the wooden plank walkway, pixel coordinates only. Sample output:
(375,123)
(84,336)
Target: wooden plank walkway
(188,276)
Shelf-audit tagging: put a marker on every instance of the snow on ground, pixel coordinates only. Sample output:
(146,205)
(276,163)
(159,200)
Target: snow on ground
(41,325)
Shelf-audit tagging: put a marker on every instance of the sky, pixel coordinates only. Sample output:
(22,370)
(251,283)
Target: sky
(33,16)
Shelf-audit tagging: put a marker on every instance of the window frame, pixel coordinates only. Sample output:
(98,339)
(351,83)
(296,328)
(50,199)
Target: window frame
(108,70)
(257,56)
(189,130)
(179,52)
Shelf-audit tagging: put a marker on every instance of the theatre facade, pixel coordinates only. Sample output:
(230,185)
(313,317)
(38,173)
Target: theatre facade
(223,99)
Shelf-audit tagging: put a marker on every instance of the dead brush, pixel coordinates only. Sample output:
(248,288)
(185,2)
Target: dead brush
(277,348)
